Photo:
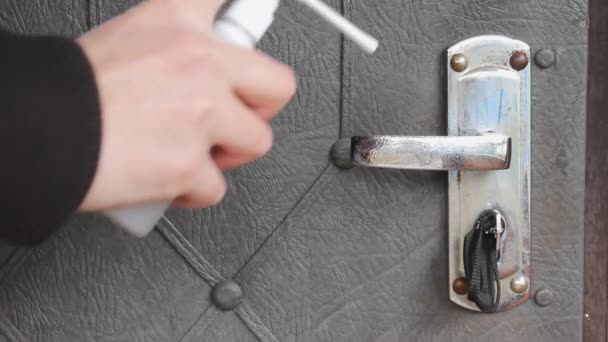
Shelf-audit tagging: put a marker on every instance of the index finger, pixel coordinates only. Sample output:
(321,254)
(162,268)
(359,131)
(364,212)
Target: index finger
(262,83)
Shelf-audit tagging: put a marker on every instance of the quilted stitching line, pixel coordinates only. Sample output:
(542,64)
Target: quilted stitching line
(94,13)
(266,248)
(254,323)
(202,323)
(9,330)
(7,260)
(346,129)
(204,269)
(247,315)
(14,262)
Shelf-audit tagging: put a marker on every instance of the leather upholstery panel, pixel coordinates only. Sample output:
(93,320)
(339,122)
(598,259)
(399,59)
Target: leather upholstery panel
(324,254)
(92,282)
(44,16)
(262,194)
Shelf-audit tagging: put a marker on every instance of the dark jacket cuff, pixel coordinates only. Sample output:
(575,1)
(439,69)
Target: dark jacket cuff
(50,134)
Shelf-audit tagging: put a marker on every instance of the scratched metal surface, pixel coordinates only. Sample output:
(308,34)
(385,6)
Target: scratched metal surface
(407,99)
(324,254)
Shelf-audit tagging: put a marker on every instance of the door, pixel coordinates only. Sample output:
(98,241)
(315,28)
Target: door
(315,252)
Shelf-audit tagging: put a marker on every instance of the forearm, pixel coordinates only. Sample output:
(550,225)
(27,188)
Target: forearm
(49,134)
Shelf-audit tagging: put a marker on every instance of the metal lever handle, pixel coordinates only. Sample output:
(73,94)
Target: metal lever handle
(483,152)
(488,112)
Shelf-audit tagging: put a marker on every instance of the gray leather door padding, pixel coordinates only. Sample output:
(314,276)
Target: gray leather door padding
(324,254)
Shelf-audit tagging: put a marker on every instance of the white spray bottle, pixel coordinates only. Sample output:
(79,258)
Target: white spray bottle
(243,24)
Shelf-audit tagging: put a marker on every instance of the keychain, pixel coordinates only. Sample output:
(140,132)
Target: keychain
(481,254)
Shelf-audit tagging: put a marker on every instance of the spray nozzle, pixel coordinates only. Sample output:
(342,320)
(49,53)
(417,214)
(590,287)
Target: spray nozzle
(368,43)
(256,16)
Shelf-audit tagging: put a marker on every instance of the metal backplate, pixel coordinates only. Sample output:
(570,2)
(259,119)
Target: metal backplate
(489,92)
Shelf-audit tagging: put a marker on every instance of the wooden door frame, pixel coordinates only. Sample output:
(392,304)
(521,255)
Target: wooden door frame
(596,184)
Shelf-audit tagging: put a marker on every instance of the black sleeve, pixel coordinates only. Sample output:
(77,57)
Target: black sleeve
(50,133)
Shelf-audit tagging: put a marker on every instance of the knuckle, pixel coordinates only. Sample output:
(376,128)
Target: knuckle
(204,65)
(264,141)
(289,82)
(217,190)
(178,175)
(187,43)
(194,48)
(198,118)
(206,73)
(188,168)
(283,74)
(204,117)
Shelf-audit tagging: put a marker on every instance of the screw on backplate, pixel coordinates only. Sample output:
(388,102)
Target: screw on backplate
(460,286)
(545,58)
(519,60)
(519,283)
(543,297)
(459,62)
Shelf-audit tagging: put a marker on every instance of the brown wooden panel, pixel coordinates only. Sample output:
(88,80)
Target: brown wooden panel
(596,212)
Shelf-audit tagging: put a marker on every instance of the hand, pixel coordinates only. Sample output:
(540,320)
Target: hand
(178,105)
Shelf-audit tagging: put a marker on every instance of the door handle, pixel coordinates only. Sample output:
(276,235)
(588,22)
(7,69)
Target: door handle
(487,156)
(483,152)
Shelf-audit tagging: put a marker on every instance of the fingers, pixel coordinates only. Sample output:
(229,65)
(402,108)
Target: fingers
(239,136)
(208,187)
(226,161)
(240,131)
(262,83)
